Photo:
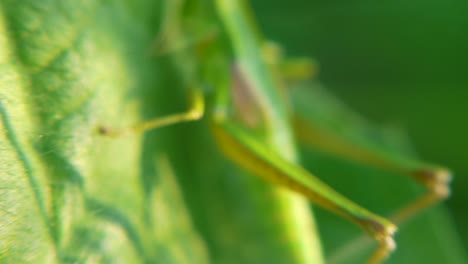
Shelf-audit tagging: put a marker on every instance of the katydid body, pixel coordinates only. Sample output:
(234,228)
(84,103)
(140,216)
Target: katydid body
(264,144)
(257,158)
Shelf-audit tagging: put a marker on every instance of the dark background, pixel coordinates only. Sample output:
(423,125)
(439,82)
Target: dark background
(403,63)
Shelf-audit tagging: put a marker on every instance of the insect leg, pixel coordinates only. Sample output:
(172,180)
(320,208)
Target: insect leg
(288,69)
(435,179)
(195,112)
(256,157)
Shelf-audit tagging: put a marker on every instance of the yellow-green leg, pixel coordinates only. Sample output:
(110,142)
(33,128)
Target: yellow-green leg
(195,112)
(256,157)
(435,179)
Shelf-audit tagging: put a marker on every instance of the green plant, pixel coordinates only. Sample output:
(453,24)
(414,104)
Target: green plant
(68,195)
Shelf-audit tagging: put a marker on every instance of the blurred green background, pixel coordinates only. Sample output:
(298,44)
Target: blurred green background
(403,63)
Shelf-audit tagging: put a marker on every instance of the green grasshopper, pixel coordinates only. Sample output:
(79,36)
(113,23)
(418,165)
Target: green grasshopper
(252,123)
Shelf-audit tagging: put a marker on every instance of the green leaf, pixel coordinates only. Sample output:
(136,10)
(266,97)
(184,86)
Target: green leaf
(68,195)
